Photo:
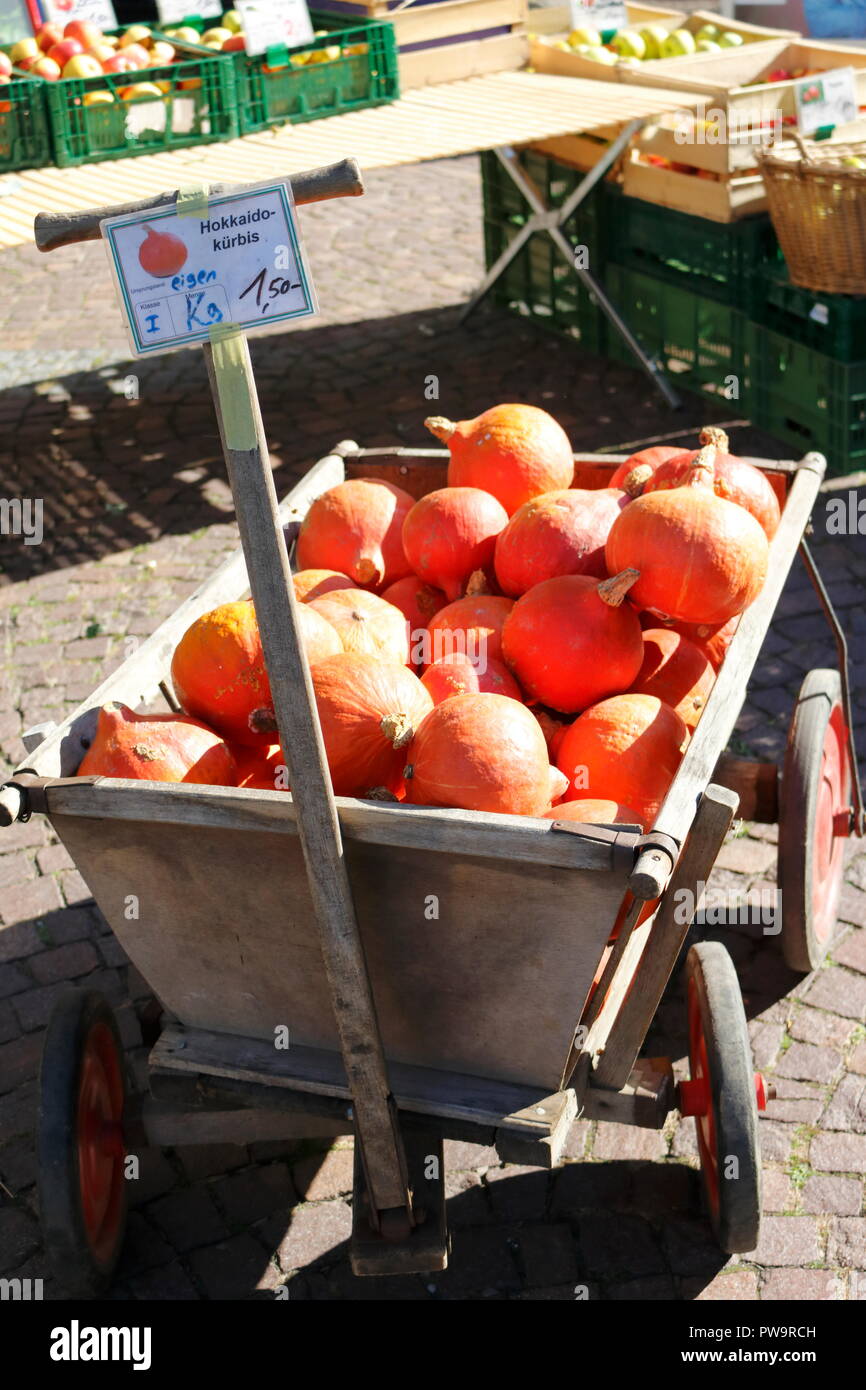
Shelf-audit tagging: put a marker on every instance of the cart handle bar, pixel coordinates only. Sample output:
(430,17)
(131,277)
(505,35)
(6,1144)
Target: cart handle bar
(53,229)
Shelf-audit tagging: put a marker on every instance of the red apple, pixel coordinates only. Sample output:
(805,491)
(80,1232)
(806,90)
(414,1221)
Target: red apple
(86,33)
(62,52)
(83,65)
(48,36)
(101,51)
(5,65)
(236,44)
(138,53)
(119,63)
(25,64)
(24,48)
(46,68)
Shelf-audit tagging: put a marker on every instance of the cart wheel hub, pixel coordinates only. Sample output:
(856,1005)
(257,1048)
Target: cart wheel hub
(694,1097)
(100,1139)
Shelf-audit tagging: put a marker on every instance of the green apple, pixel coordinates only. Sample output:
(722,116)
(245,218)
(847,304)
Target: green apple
(854,162)
(598,55)
(730,40)
(186,34)
(628,44)
(584,38)
(708,31)
(653,37)
(677,44)
(708,46)
(232,20)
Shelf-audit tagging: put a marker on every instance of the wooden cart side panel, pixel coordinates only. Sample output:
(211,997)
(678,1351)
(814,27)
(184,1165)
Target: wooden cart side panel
(136,681)
(478,965)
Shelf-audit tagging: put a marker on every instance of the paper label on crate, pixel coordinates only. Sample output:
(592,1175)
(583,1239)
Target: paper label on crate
(239,263)
(826,99)
(176,11)
(598,14)
(144,115)
(267,23)
(98,12)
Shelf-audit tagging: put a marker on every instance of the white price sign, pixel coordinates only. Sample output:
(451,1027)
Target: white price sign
(827,99)
(98,12)
(267,23)
(599,14)
(236,261)
(176,11)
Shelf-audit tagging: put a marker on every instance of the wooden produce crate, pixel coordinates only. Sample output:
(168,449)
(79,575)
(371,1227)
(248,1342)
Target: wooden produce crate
(722,199)
(680,138)
(443,40)
(557,23)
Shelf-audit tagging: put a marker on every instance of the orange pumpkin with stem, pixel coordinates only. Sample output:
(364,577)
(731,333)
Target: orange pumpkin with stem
(458,674)
(157,748)
(512,451)
(647,461)
(677,671)
(734,478)
(356,528)
(557,533)
(365,623)
(369,709)
(451,534)
(472,625)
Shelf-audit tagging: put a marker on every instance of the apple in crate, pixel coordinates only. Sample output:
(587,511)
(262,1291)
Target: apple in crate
(628,44)
(161,54)
(119,63)
(137,54)
(215,36)
(140,90)
(232,20)
(101,51)
(63,51)
(5,65)
(653,37)
(708,46)
(48,36)
(24,48)
(98,99)
(677,44)
(730,40)
(82,65)
(598,55)
(584,38)
(86,33)
(186,34)
(136,33)
(708,31)
(236,44)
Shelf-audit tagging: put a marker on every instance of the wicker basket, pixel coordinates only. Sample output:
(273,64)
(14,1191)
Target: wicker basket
(817,200)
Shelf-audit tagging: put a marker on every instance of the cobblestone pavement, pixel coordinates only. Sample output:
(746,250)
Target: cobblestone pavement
(137,512)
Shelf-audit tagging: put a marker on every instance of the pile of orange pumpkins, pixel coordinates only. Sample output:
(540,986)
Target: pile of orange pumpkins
(508,643)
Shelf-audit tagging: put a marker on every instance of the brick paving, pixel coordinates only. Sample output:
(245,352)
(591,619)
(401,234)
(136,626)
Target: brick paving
(136,513)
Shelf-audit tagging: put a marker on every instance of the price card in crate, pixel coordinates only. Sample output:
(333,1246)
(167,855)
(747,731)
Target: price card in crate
(272,23)
(98,12)
(826,100)
(234,260)
(603,15)
(176,11)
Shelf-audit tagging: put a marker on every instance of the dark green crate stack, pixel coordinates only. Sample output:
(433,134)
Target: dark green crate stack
(272,92)
(711,302)
(538,284)
(25,142)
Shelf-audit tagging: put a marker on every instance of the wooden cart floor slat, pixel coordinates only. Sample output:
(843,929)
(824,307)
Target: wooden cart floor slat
(477,113)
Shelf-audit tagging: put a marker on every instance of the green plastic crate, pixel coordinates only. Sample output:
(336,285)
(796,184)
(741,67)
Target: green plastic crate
(722,260)
(834,324)
(271,91)
(537,283)
(199,106)
(703,344)
(808,399)
(25,142)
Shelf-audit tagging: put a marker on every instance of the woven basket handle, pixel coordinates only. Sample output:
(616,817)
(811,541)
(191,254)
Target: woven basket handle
(801,145)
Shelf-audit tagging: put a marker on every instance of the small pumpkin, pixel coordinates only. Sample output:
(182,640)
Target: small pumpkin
(557,533)
(514,452)
(647,461)
(356,529)
(457,674)
(734,478)
(626,749)
(594,812)
(677,671)
(471,625)
(369,709)
(480,753)
(700,557)
(218,669)
(572,640)
(417,601)
(157,748)
(712,638)
(451,534)
(310,584)
(364,622)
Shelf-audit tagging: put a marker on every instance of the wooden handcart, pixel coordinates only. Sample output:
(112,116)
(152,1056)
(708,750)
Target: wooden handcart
(498,1007)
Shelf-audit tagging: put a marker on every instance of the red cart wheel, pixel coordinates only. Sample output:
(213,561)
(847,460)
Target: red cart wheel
(814,820)
(82,1188)
(721,1095)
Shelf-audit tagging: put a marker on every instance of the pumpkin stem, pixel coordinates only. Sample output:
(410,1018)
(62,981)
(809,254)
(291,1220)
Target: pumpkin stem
(712,434)
(379,794)
(613,591)
(477,584)
(702,469)
(398,729)
(439,426)
(635,481)
(262,721)
(367,571)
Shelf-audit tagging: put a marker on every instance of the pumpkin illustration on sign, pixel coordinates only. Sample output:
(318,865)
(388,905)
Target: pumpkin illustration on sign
(162,253)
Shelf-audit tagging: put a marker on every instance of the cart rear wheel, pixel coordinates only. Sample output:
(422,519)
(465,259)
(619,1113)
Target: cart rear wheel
(721,1096)
(82,1189)
(813,824)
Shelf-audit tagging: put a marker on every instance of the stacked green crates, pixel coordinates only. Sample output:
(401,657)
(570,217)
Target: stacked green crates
(25,142)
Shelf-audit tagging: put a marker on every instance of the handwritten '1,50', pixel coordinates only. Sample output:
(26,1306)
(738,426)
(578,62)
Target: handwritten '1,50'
(276,287)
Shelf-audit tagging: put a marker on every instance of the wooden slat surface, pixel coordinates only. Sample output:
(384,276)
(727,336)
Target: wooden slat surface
(478,113)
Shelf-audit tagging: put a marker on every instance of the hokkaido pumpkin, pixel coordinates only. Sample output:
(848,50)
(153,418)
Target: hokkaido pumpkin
(470,625)
(417,601)
(701,558)
(591,812)
(480,753)
(457,674)
(356,528)
(677,672)
(572,640)
(365,623)
(261,768)
(557,533)
(313,583)
(645,459)
(157,748)
(735,479)
(218,669)
(626,749)
(451,534)
(369,709)
(512,451)
(712,638)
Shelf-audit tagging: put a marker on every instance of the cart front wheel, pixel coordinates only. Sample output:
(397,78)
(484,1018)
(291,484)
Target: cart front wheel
(813,820)
(722,1097)
(82,1189)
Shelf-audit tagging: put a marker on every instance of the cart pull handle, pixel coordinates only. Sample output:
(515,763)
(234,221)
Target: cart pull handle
(53,229)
